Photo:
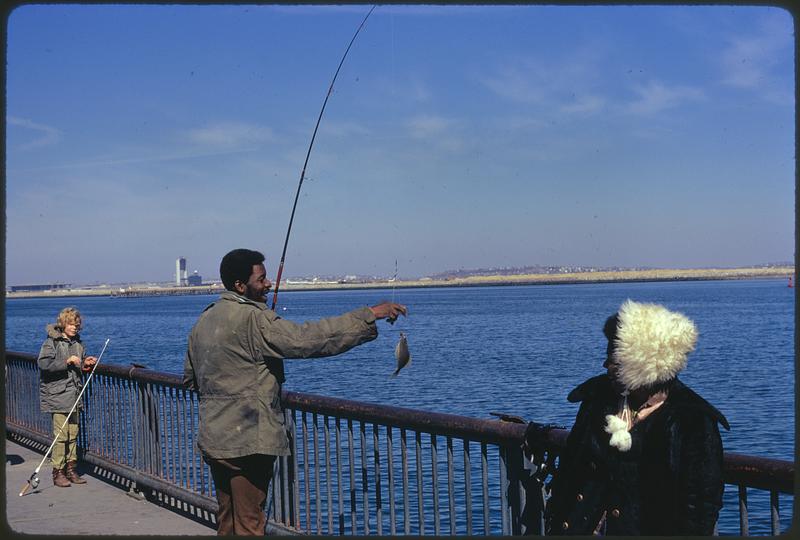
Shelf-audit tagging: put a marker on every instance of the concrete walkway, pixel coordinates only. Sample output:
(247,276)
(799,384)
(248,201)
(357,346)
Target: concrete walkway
(99,507)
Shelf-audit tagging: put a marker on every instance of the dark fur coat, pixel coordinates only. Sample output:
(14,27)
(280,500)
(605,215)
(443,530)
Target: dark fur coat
(668,483)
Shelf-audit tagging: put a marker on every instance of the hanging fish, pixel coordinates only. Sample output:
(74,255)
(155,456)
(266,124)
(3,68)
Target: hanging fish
(402,354)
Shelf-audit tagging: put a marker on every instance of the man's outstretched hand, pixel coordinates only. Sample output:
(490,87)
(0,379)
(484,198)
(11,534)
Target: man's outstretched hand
(389,311)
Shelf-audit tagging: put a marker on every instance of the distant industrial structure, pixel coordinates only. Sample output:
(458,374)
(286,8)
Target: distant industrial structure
(182,279)
(195,280)
(38,288)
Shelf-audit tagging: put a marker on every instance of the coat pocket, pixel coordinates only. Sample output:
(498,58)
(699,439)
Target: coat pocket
(228,425)
(57,395)
(56,391)
(57,387)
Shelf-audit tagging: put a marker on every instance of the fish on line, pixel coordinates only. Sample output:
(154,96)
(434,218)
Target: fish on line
(401,354)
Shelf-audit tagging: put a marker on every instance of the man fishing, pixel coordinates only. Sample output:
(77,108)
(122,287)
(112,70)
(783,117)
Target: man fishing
(234,361)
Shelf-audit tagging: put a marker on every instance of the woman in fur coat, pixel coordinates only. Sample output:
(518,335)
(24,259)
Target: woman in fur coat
(645,455)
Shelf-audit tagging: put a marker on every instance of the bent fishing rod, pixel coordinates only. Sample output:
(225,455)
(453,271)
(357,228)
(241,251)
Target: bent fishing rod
(308,154)
(33,481)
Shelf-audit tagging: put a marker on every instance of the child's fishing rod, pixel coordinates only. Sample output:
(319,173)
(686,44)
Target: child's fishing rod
(33,481)
(303,173)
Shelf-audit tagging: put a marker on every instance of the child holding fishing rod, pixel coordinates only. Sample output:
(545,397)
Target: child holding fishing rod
(62,358)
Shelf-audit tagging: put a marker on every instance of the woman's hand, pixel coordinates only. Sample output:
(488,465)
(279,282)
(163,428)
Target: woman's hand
(88,363)
(73,361)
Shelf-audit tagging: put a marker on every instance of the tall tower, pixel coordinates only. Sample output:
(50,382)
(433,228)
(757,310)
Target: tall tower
(180,272)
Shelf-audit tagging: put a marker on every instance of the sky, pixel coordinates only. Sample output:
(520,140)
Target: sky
(456,137)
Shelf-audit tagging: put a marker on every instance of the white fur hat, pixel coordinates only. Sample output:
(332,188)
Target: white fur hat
(651,343)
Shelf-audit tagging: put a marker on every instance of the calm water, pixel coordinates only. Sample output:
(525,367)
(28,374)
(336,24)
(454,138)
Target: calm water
(518,350)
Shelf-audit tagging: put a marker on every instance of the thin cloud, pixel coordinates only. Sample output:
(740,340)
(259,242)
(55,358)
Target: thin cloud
(111,162)
(419,91)
(345,129)
(230,135)
(47,135)
(523,86)
(519,122)
(544,81)
(437,130)
(406,89)
(427,126)
(585,105)
(655,97)
(749,62)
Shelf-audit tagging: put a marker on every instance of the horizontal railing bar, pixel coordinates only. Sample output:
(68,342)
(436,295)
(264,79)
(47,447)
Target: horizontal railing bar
(449,425)
(759,472)
(753,471)
(126,372)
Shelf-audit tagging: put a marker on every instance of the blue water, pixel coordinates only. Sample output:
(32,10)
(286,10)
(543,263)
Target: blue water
(518,350)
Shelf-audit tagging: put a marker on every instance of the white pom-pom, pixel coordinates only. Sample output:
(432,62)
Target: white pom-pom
(618,428)
(615,423)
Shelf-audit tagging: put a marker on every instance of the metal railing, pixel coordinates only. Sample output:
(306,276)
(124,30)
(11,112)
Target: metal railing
(355,468)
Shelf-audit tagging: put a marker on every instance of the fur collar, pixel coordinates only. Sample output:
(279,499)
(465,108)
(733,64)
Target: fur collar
(53,332)
(680,397)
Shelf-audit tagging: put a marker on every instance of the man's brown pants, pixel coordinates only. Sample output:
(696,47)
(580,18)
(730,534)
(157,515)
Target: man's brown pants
(241,485)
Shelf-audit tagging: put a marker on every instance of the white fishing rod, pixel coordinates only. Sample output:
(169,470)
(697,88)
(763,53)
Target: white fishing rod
(33,481)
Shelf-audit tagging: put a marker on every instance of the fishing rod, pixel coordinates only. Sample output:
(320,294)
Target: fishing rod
(305,164)
(33,481)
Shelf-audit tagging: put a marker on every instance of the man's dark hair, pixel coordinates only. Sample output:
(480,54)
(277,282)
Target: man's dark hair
(237,265)
(610,327)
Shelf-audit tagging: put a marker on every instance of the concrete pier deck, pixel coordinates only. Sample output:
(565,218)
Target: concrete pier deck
(102,506)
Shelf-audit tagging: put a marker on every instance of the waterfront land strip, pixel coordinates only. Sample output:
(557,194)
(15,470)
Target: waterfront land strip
(701,274)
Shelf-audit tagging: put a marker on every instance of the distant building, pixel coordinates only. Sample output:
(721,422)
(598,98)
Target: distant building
(180,272)
(195,279)
(31,288)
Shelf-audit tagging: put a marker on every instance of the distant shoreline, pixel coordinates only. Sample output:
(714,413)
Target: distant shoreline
(624,276)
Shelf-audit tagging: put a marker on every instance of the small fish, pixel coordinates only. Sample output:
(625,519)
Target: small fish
(402,354)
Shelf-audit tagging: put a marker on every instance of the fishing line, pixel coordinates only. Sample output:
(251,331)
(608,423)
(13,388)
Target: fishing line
(308,154)
(401,352)
(394,279)
(33,481)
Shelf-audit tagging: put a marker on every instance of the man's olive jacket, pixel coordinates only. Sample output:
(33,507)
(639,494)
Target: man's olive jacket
(235,363)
